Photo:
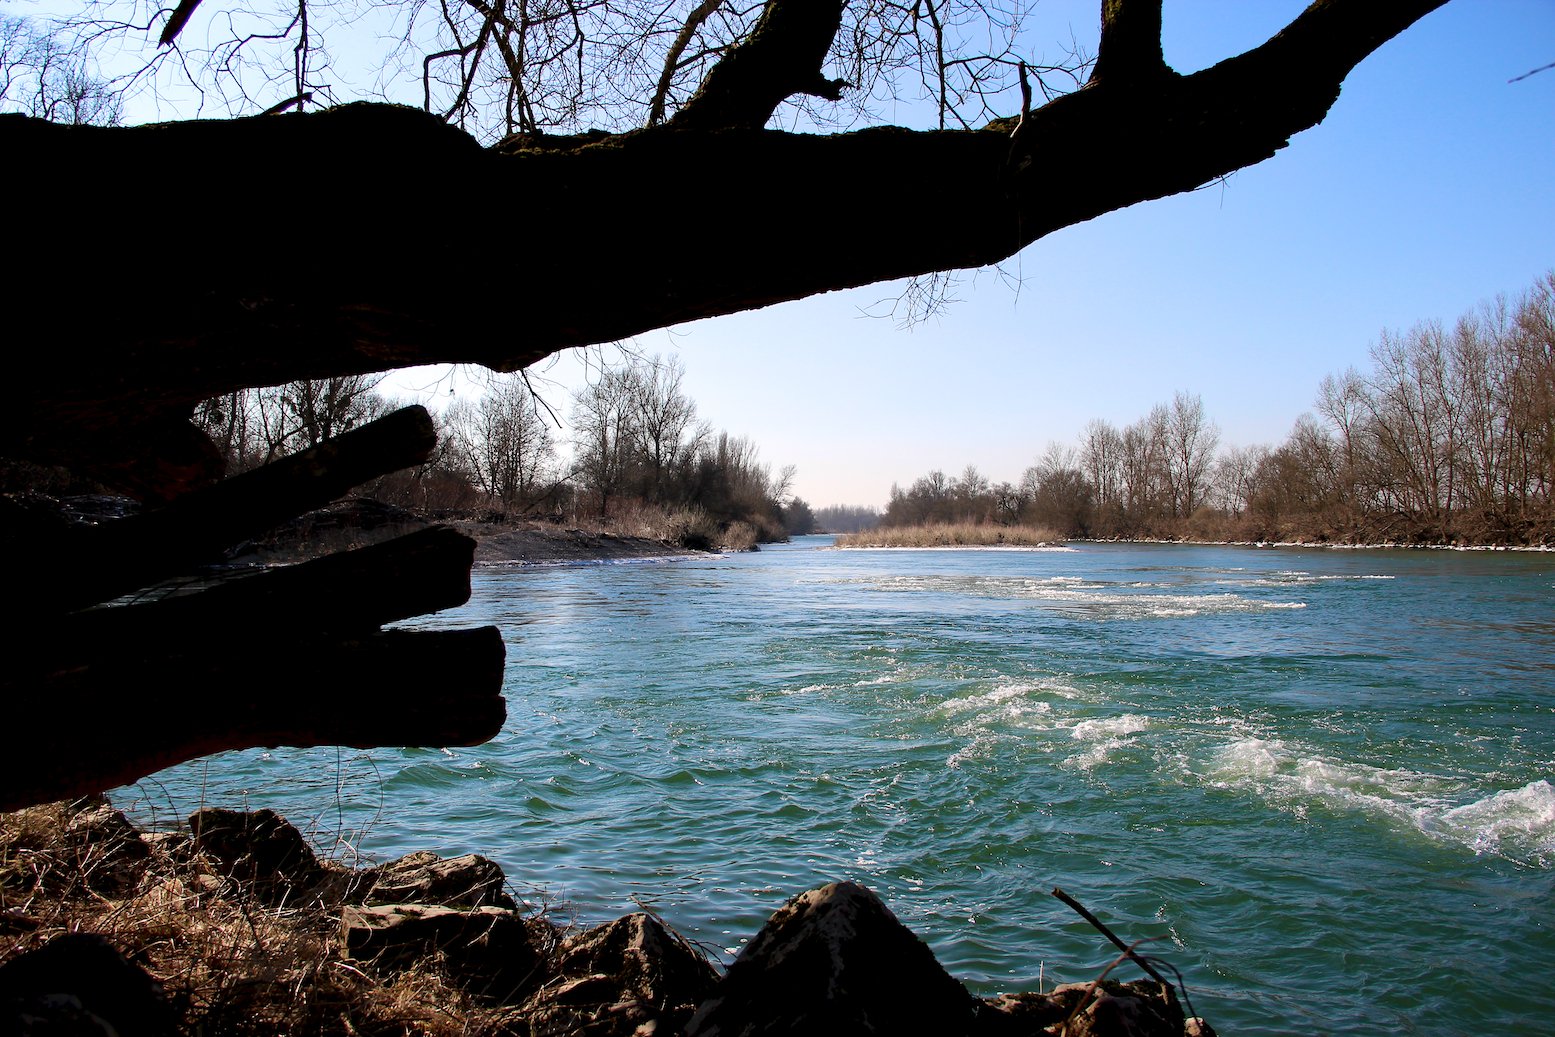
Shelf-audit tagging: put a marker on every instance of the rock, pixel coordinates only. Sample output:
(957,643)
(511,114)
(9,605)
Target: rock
(79,985)
(1140,1009)
(1015,1015)
(111,852)
(171,848)
(1144,1008)
(490,951)
(260,850)
(629,976)
(651,961)
(71,850)
(425,878)
(835,961)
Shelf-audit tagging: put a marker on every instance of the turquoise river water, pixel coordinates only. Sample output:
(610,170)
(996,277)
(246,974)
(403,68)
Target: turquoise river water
(1319,782)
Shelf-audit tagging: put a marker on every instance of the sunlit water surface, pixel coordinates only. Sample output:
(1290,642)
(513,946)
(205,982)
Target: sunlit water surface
(1318,782)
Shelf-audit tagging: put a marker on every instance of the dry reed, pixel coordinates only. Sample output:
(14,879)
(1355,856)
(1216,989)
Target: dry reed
(229,964)
(964,534)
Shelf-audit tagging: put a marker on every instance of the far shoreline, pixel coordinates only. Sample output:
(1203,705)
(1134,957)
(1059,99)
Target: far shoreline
(1304,545)
(539,545)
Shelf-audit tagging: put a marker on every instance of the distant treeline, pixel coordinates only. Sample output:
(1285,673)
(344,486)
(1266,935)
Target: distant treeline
(639,459)
(846,518)
(1449,437)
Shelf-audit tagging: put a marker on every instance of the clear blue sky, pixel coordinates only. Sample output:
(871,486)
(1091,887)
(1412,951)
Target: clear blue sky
(1429,189)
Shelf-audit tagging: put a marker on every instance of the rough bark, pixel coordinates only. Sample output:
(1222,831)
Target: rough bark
(782,57)
(353,592)
(97,727)
(1130,45)
(104,696)
(79,567)
(367,264)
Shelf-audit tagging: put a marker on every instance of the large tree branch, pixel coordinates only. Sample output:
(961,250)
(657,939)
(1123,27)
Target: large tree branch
(781,58)
(74,568)
(701,13)
(1130,45)
(172,702)
(382,274)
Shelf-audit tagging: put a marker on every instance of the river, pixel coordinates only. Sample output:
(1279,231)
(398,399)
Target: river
(1317,782)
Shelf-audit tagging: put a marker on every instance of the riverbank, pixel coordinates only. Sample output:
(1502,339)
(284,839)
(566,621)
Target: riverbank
(232,925)
(361,522)
(994,536)
(1318,545)
(541,544)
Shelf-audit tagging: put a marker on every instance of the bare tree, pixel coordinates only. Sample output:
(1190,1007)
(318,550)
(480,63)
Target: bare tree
(44,76)
(253,426)
(1146,486)
(509,445)
(1058,494)
(664,421)
(1101,459)
(1532,402)
(1235,468)
(1344,401)
(317,409)
(604,432)
(1191,442)
(1415,420)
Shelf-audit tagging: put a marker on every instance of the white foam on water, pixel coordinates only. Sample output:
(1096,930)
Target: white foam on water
(983,718)
(1296,577)
(1109,727)
(1517,824)
(1118,604)
(1104,736)
(1182,606)
(1005,700)
(1110,601)
(982,746)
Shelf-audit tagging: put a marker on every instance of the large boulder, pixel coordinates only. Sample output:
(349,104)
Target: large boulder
(426,878)
(492,952)
(73,849)
(112,853)
(630,976)
(80,985)
(259,850)
(835,961)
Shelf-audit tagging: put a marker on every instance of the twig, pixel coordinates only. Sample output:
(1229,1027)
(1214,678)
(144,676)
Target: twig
(1110,935)
(290,102)
(1025,99)
(1128,951)
(1525,75)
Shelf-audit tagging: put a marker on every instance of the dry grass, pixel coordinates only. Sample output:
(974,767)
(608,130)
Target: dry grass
(228,963)
(957,535)
(691,528)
